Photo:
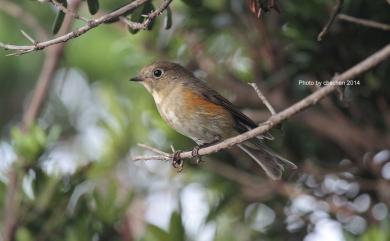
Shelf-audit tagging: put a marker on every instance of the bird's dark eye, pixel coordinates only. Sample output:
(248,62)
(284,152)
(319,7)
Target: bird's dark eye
(157,73)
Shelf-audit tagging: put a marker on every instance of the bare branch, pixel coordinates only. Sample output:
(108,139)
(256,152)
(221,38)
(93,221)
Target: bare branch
(28,37)
(22,49)
(156,157)
(274,120)
(153,149)
(10,206)
(364,22)
(263,99)
(333,15)
(173,148)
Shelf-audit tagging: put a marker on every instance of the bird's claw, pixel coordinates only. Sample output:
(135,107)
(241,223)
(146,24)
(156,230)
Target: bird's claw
(177,162)
(195,153)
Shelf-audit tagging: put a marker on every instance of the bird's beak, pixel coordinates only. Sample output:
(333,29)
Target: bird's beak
(136,78)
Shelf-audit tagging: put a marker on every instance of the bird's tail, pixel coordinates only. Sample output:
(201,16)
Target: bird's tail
(272,163)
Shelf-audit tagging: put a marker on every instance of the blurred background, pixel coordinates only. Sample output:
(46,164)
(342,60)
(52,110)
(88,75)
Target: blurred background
(70,174)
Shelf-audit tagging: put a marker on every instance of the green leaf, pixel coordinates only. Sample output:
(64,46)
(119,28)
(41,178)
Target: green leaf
(168,18)
(54,133)
(155,233)
(30,143)
(59,18)
(375,233)
(116,19)
(176,228)
(93,6)
(138,16)
(23,234)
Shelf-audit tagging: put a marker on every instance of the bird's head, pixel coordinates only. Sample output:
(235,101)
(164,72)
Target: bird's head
(162,76)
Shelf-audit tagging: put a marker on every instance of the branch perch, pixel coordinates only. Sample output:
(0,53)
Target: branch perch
(274,120)
(22,49)
(364,22)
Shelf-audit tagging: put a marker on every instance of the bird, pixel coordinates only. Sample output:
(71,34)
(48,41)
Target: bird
(199,112)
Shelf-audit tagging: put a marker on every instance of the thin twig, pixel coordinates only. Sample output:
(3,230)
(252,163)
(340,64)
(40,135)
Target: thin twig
(152,149)
(28,37)
(364,22)
(333,15)
(156,157)
(22,49)
(303,104)
(133,25)
(263,98)
(172,148)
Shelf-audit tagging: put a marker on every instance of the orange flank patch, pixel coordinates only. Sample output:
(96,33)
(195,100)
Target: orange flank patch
(196,102)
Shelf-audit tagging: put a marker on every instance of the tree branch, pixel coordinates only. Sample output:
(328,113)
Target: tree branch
(22,49)
(263,98)
(274,120)
(364,22)
(332,17)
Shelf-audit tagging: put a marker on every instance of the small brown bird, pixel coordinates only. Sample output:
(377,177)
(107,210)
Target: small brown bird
(200,113)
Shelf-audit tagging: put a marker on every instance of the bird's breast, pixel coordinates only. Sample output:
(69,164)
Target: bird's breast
(194,116)
(169,104)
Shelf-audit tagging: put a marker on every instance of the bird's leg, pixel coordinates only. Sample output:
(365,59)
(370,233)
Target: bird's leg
(195,153)
(177,162)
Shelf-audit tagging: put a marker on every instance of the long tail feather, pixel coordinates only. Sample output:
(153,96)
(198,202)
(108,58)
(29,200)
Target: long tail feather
(273,164)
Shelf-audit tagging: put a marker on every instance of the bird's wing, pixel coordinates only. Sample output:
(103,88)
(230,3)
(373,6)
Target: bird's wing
(244,123)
